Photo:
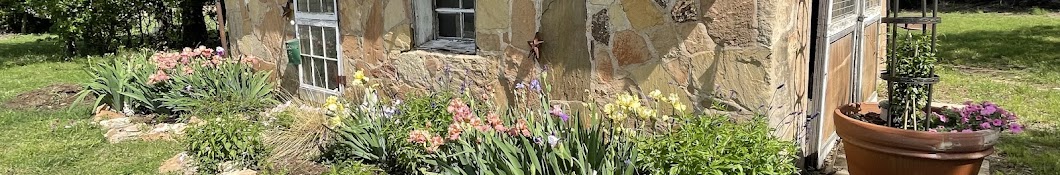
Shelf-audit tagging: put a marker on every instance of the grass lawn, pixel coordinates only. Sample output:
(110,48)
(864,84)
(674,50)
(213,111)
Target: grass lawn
(1013,60)
(59,142)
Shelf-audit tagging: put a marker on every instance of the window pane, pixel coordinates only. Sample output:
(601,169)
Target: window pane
(469,4)
(469,25)
(447,3)
(330,39)
(303,5)
(333,71)
(318,41)
(842,8)
(304,34)
(307,70)
(318,72)
(449,25)
(329,6)
(314,6)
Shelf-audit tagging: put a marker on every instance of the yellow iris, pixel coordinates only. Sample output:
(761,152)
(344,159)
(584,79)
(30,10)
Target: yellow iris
(335,121)
(672,98)
(609,108)
(359,78)
(656,94)
(680,107)
(646,113)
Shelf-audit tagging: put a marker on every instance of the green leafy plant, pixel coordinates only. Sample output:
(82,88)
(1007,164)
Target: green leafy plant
(716,145)
(370,133)
(353,168)
(532,140)
(1039,11)
(225,139)
(116,83)
(220,89)
(913,58)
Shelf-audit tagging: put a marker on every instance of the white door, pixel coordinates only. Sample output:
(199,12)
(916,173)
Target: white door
(844,66)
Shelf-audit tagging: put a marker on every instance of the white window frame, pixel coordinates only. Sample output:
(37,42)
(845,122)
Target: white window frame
(324,20)
(426,28)
(840,22)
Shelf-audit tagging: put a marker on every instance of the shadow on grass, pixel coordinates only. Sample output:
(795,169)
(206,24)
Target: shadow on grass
(16,53)
(1036,47)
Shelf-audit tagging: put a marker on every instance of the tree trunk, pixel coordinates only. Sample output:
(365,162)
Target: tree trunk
(192,22)
(25,19)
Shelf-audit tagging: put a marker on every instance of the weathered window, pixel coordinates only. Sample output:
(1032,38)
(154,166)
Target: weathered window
(316,26)
(845,13)
(872,5)
(447,25)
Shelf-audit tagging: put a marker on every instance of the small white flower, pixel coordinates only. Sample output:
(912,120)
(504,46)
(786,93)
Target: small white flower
(553,140)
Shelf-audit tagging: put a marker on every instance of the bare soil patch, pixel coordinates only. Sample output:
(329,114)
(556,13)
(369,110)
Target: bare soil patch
(56,96)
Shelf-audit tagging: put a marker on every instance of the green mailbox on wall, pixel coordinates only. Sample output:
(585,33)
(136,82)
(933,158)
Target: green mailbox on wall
(294,52)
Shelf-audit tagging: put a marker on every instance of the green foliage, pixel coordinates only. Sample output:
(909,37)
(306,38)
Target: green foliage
(368,139)
(423,109)
(914,58)
(222,89)
(1038,11)
(102,26)
(715,145)
(353,168)
(225,139)
(117,83)
(379,137)
(554,147)
(214,87)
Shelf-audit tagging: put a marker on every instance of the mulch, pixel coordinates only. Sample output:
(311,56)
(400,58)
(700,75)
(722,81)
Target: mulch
(53,97)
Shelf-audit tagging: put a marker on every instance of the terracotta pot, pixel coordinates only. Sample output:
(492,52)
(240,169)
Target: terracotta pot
(874,149)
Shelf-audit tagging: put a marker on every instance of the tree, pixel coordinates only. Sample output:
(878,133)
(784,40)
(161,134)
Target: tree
(193,22)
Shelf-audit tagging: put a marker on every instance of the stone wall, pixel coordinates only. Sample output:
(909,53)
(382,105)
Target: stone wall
(742,57)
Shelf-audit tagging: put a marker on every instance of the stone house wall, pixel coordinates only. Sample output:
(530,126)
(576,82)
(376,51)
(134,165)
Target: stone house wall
(746,56)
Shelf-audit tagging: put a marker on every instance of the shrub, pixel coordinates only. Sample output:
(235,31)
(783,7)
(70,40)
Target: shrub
(225,139)
(1038,11)
(715,145)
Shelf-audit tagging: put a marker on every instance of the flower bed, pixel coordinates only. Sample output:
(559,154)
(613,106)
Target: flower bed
(441,132)
(653,135)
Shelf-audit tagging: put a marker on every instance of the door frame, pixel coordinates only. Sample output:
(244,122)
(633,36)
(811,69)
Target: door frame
(824,36)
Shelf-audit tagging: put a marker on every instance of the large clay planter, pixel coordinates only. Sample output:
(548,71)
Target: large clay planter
(873,149)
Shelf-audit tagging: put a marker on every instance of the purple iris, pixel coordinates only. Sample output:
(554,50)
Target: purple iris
(535,85)
(220,51)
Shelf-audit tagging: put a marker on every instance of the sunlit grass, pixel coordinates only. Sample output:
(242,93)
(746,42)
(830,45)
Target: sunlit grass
(63,141)
(1013,60)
